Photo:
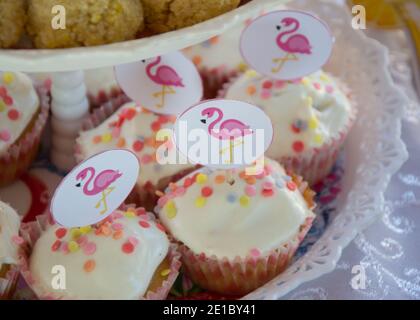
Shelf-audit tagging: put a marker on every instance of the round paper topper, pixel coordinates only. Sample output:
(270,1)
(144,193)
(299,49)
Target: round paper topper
(167,84)
(223,134)
(95,188)
(287,44)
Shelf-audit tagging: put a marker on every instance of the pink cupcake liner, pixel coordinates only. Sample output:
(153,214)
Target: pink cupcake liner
(316,164)
(16,160)
(8,283)
(214,79)
(31,232)
(240,275)
(102,97)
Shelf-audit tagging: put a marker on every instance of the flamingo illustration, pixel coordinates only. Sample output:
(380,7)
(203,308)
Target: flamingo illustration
(101,184)
(164,76)
(295,44)
(230,129)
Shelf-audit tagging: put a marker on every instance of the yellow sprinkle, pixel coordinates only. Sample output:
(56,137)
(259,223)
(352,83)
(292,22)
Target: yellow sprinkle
(201,178)
(200,202)
(165,272)
(2,106)
(73,246)
(251,74)
(242,67)
(319,139)
(75,233)
(324,77)
(85,230)
(170,210)
(130,214)
(8,77)
(107,137)
(309,102)
(244,201)
(306,81)
(313,123)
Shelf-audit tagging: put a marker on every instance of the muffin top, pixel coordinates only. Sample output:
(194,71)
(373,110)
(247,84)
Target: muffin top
(9,227)
(306,113)
(135,129)
(251,217)
(115,259)
(18,104)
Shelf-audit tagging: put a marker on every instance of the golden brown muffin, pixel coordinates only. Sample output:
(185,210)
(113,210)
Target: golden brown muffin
(12,21)
(167,15)
(88,22)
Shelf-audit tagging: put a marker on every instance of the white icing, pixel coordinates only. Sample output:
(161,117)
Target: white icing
(102,79)
(117,275)
(289,102)
(137,128)
(9,227)
(227,229)
(25,100)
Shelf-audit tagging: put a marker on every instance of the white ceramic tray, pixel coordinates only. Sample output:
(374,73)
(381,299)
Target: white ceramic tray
(373,152)
(129,51)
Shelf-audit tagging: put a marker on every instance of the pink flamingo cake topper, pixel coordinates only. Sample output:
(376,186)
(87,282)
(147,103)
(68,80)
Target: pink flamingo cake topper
(293,45)
(165,76)
(101,184)
(229,129)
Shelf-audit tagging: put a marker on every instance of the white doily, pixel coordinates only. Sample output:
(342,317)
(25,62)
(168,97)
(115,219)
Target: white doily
(374,150)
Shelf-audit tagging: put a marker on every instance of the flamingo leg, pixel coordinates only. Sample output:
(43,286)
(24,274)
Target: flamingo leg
(231,148)
(162,94)
(105,193)
(282,61)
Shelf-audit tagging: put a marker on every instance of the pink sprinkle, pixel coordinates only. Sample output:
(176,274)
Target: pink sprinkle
(17,240)
(265,94)
(146,159)
(255,253)
(118,215)
(297,81)
(162,201)
(140,211)
(90,248)
(82,241)
(268,185)
(329,89)
(65,247)
(279,84)
(116,132)
(133,241)
(5,135)
(144,224)
(250,191)
(317,86)
(180,191)
(117,226)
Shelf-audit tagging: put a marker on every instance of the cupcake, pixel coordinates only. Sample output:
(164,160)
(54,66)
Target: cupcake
(311,118)
(167,15)
(88,22)
(234,237)
(9,230)
(134,128)
(23,115)
(12,22)
(127,256)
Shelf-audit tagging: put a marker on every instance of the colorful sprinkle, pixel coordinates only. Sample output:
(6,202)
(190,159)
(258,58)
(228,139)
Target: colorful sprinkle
(133,240)
(244,201)
(219,179)
(129,114)
(75,233)
(97,139)
(130,214)
(165,272)
(5,135)
(313,123)
(206,192)
(144,224)
(89,248)
(146,159)
(121,143)
(170,209)
(107,137)
(265,94)
(8,77)
(73,246)
(268,185)
(231,197)
(298,146)
(8,100)
(251,90)
(200,202)
(56,245)
(138,146)
(250,191)
(201,178)
(13,114)
(317,86)
(291,186)
(266,193)
(117,226)
(255,253)
(155,126)
(60,233)
(117,234)
(280,184)
(267,84)
(85,230)
(329,89)
(279,84)
(319,139)
(89,265)
(251,74)
(2,106)
(160,227)
(127,248)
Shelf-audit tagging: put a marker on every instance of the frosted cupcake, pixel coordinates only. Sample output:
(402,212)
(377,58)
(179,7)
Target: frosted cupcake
(134,128)
(23,115)
(9,230)
(311,118)
(127,256)
(236,237)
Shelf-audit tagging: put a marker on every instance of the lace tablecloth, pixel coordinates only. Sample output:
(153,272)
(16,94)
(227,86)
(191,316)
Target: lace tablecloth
(383,262)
